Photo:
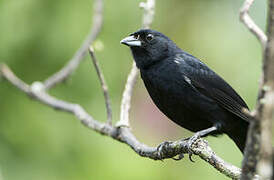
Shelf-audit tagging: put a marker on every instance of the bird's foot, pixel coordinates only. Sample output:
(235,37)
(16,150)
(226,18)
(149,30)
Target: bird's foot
(165,151)
(190,141)
(162,149)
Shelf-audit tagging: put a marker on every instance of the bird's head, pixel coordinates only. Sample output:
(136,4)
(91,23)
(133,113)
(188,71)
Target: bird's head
(149,47)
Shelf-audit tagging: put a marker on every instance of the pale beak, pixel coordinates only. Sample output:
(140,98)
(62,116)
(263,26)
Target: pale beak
(131,41)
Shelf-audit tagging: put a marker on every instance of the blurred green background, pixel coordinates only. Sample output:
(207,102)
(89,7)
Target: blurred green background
(38,36)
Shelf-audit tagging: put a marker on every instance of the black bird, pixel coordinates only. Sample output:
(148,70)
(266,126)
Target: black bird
(186,90)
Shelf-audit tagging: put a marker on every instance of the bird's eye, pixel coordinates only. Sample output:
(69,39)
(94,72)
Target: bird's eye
(149,37)
(136,36)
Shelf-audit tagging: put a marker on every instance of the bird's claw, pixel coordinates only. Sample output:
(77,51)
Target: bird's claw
(162,148)
(180,156)
(162,151)
(190,142)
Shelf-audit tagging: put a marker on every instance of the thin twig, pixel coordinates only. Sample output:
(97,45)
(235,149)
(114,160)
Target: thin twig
(149,10)
(42,96)
(103,85)
(73,63)
(8,74)
(126,98)
(250,24)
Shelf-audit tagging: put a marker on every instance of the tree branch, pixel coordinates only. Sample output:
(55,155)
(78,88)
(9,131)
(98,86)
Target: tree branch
(103,85)
(126,98)
(250,24)
(8,74)
(265,108)
(258,153)
(149,11)
(73,63)
(122,132)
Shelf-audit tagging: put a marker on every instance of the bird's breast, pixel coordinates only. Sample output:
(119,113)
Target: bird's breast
(173,94)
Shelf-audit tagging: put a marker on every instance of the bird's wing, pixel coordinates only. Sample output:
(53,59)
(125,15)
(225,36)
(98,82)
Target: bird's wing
(212,85)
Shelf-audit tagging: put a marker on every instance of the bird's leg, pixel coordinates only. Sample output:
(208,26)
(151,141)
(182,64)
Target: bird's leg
(196,136)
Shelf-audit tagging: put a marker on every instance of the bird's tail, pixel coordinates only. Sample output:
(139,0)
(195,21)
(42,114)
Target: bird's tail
(240,136)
